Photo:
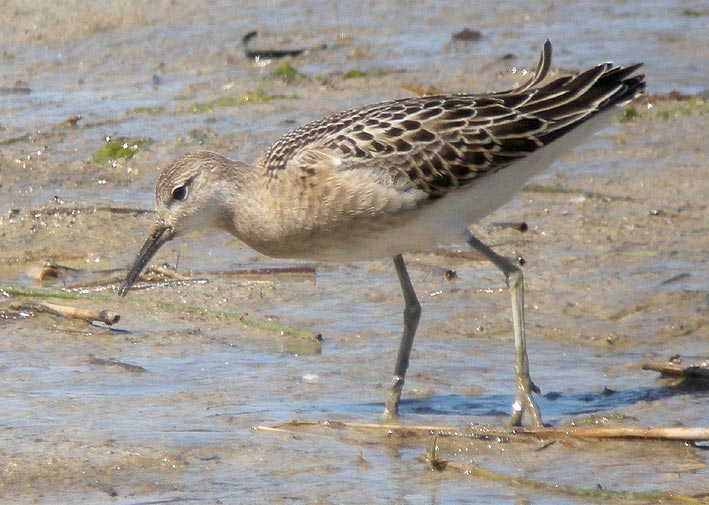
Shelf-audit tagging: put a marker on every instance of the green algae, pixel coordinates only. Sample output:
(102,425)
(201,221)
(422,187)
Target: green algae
(287,72)
(354,74)
(150,111)
(118,148)
(250,97)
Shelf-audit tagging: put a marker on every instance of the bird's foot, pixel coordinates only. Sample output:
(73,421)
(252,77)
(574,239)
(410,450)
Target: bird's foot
(525,403)
(391,408)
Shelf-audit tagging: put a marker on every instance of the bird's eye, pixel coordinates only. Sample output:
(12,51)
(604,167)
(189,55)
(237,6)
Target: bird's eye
(179,193)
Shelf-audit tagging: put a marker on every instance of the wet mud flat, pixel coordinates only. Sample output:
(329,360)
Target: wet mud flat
(161,405)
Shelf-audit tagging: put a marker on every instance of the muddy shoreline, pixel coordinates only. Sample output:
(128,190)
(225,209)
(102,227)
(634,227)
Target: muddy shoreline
(160,406)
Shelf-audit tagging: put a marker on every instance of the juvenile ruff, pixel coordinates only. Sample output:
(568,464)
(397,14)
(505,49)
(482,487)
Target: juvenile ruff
(394,177)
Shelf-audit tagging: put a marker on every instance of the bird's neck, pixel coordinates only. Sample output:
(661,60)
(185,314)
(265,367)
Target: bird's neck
(245,213)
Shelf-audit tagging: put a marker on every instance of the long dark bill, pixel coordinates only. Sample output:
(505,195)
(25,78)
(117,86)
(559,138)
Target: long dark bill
(157,238)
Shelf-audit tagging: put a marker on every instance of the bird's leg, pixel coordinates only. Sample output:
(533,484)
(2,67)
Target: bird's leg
(524,401)
(412,313)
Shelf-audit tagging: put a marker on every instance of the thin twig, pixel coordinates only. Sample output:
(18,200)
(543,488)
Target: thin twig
(8,290)
(76,209)
(307,270)
(627,433)
(149,281)
(668,433)
(138,286)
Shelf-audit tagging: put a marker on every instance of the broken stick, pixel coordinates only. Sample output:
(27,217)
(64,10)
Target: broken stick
(104,316)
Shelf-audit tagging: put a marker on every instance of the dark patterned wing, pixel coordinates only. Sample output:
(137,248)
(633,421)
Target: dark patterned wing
(442,142)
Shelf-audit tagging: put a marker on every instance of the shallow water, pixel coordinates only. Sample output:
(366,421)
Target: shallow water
(601,298)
